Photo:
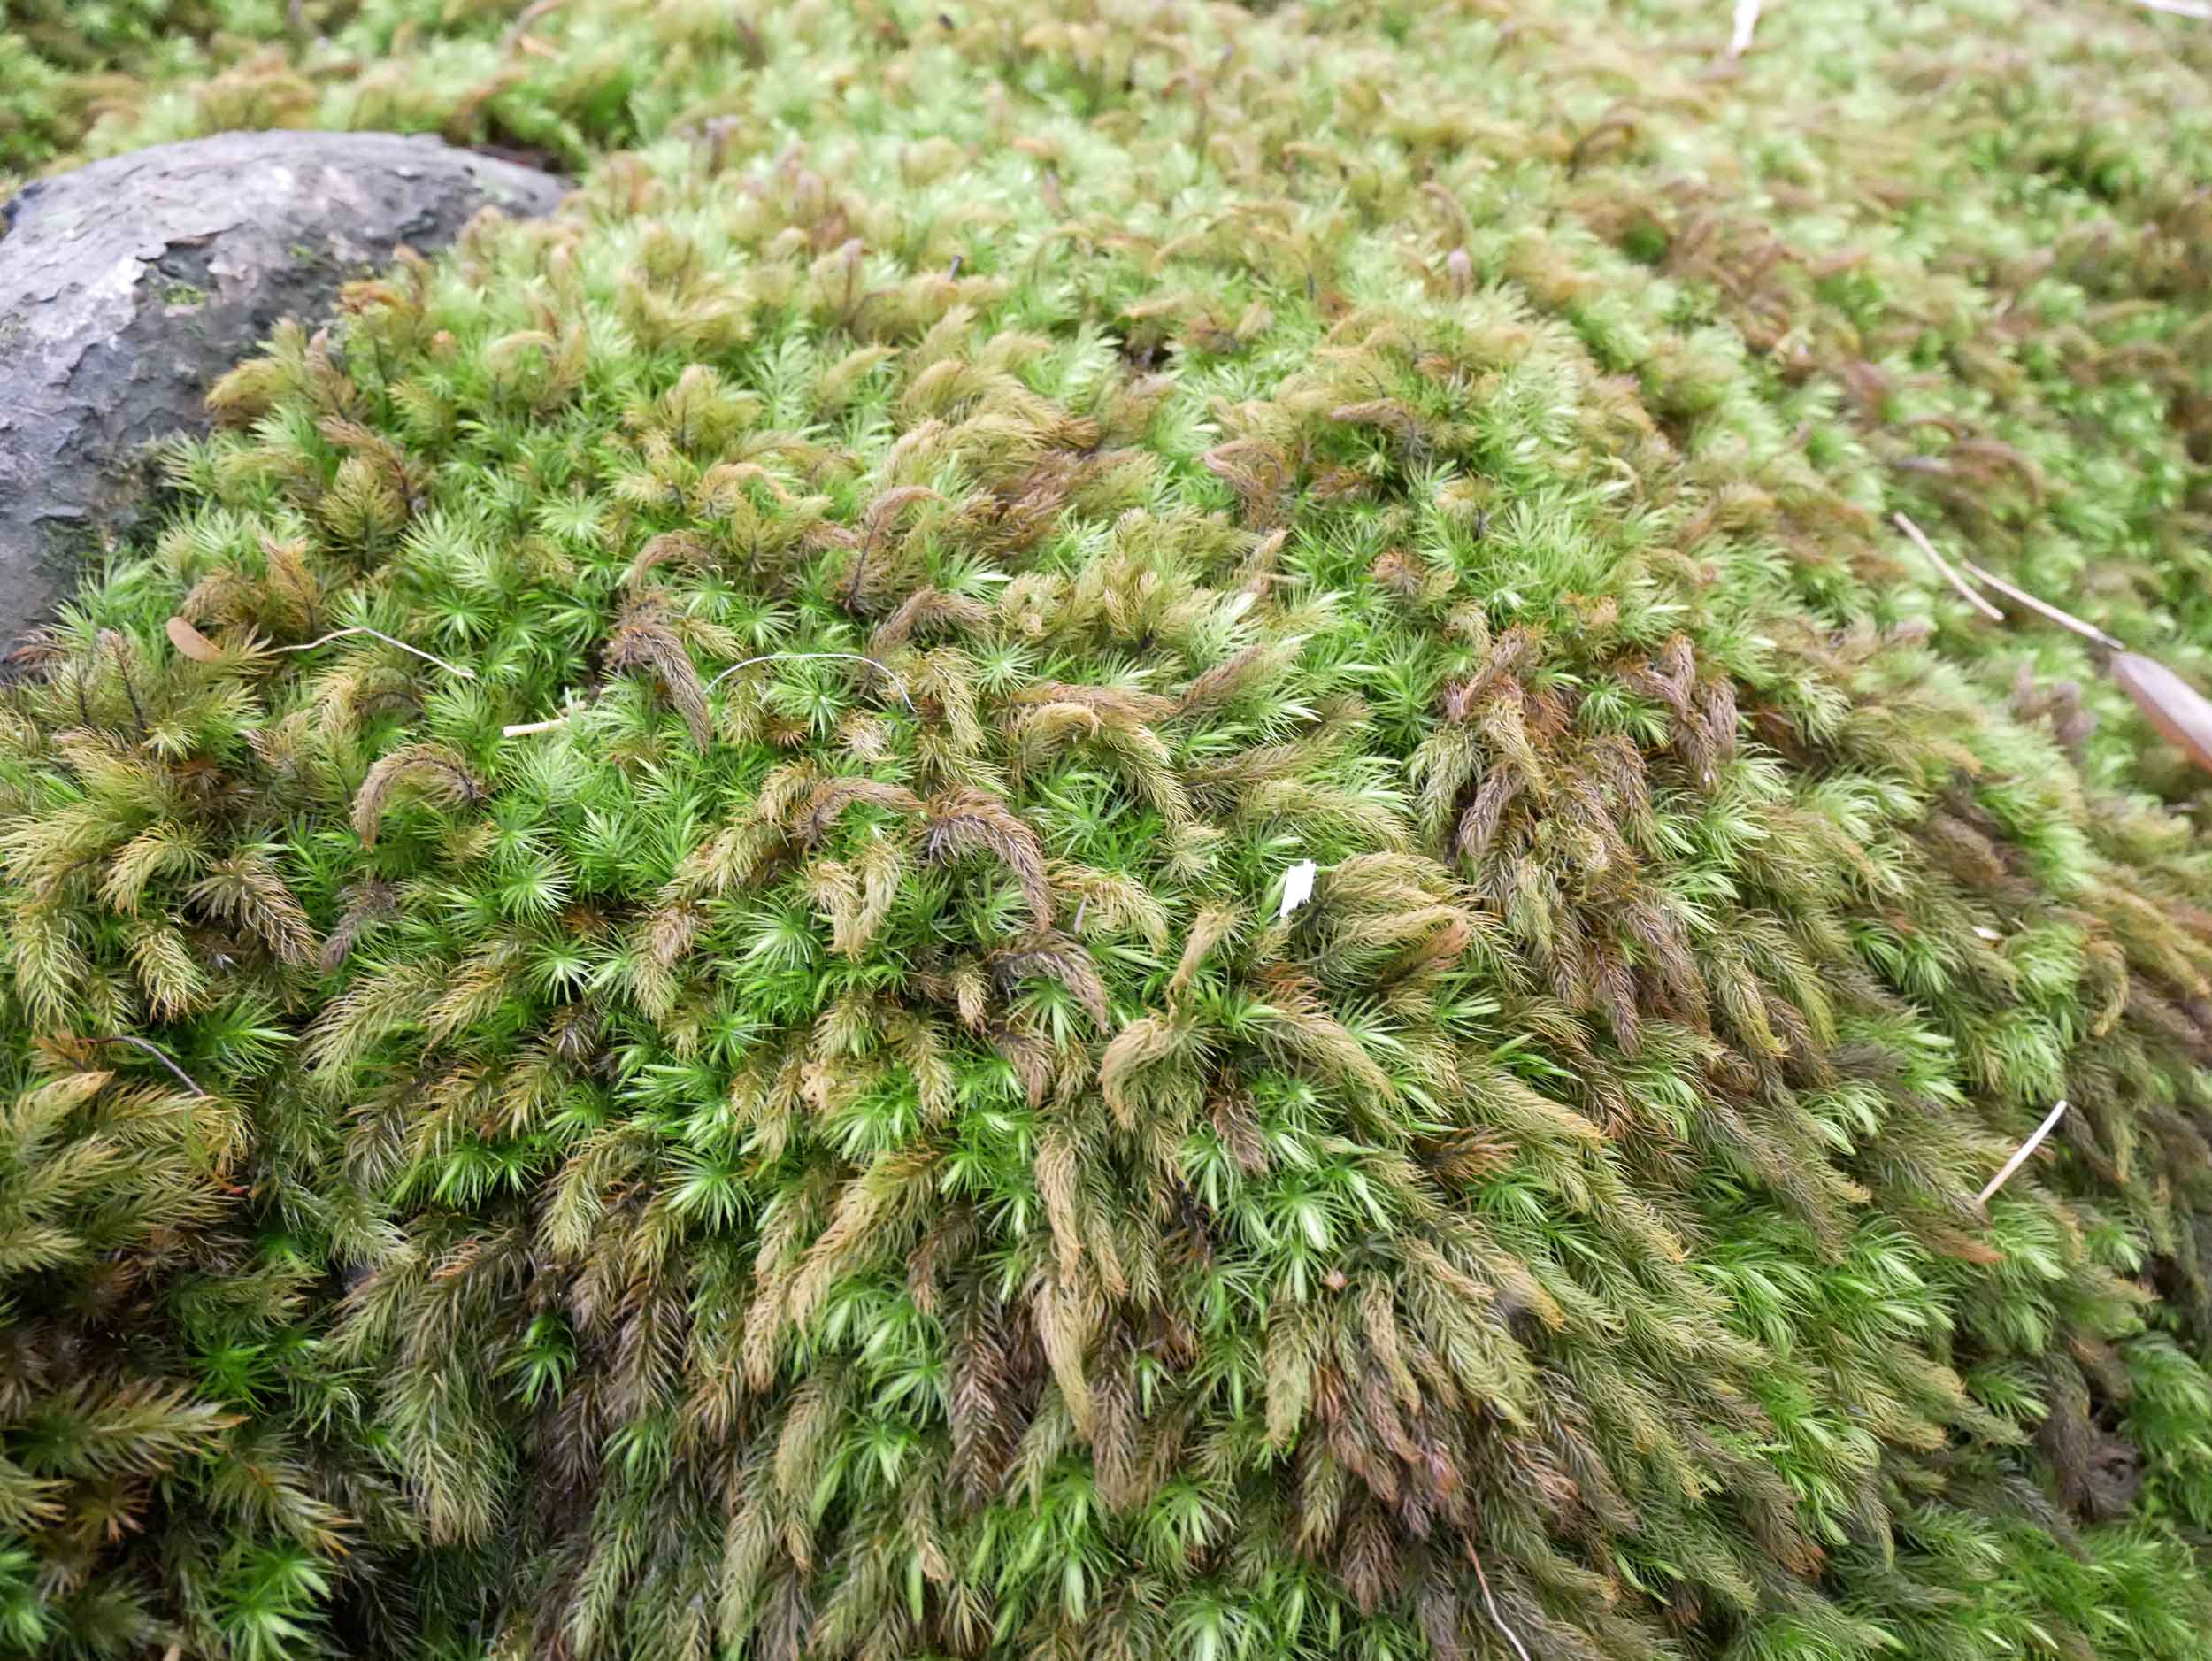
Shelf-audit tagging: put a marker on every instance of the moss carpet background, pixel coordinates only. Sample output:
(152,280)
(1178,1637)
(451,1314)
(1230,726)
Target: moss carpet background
(843,1154)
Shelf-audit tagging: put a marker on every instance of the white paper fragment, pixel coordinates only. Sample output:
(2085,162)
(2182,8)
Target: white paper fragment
(1297,887)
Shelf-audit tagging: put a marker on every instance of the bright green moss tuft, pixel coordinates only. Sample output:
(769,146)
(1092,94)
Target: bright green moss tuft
(830,1144)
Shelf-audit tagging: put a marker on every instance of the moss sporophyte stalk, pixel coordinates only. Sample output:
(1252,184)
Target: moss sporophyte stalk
(655,1004)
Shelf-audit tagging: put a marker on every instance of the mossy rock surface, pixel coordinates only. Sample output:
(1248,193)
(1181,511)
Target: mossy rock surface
(129,285)
(848,1135)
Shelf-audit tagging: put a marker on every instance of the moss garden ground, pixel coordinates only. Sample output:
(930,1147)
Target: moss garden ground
(843,1156)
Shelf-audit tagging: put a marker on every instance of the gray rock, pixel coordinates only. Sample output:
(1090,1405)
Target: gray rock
(129,286)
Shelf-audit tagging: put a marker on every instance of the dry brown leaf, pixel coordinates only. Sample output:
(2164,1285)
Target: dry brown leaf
(191,644)
(2170,703)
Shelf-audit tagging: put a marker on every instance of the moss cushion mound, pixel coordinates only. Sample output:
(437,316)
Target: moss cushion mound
(845,1134)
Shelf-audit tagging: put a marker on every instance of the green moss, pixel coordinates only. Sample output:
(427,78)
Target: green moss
(838,1143)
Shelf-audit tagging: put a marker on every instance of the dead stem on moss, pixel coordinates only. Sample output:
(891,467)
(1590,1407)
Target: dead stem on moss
(363,628)
(2020,1154)
(1920,541)
(800,656)
(523,728)
(518,32)
(1491,1603)
(1747,24)
(158,1054)
(2043,608)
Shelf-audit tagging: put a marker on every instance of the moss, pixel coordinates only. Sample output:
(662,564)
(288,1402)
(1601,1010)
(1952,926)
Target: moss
(844,1138)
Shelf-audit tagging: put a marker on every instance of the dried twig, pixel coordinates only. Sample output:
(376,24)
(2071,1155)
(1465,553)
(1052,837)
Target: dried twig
(891,503)
(530,14)
(522,728)
(1491,1603)
(2043,608)
(2026,1148)
(1747,21)
(157,1053)
(784,657)
(363,628)
(1920,541)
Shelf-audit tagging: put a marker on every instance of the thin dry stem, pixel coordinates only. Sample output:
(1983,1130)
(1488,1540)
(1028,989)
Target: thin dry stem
(1747,22)
(158,1054)
(363,628)
(522,728)
(2044,608)
(1921,541)
(2026,1148)
(1491,1603)
(783,656)
(531,14)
